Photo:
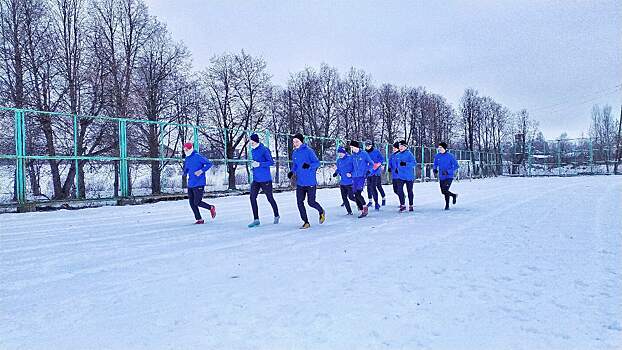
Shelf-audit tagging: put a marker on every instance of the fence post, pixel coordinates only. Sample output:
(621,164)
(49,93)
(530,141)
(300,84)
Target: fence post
(195,137)
(123,169)
(266,138)
(423,163)
(161,144)
(76,180)
(386,159)
(20,152)
(529,159)
(249,158)
(559,160)
(591,157)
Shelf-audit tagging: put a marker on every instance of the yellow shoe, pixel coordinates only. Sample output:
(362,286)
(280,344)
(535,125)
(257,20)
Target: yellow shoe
(305,226)
(322,218)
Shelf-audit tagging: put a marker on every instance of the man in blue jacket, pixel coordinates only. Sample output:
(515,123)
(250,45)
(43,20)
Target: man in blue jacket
(304,165)
(444,167)
(345,167)
(374,180)
(393,167)
(195,166)
(362,167)
(262,179)
(406,164)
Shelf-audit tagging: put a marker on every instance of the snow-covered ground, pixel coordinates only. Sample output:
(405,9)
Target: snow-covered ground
(518,263)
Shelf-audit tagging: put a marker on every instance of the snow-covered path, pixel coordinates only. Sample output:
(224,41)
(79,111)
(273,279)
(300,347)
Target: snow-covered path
(519,263)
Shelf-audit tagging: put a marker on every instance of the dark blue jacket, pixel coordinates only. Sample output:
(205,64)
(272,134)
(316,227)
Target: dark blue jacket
(262,155)
(195,162)
(406,172)
(345,167)
(446,164)
(304,154)
(393,164)
(363,165)
(376,157)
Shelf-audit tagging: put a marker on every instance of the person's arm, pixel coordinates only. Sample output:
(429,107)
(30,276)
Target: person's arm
(455,163)
(435,164)
(370,163)
(185,169)
(314,162)
(412,162)
(206,164)
(267,159)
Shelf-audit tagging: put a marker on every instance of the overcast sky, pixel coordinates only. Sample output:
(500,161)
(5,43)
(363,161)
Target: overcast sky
(555,58)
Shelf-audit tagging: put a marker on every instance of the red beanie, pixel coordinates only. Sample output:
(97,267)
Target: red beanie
(188,145)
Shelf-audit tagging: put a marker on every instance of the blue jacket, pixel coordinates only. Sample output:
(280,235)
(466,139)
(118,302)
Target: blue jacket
(393,164)
(406,172)
(446,164)
(195,162)
(262,155)
(376,157)
(345,167)
(363,165)
(304,154)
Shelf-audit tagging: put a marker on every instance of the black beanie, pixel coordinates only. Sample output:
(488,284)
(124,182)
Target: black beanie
(299,137)
(443,144)
(255,137)
(396,145)
(355,144)
(403,143)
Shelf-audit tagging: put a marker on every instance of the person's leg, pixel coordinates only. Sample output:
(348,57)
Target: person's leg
(445,191)
(379,186)
(267,189)
(195,209)
(370,190)
(300,198)
(400,192)
(255,186)
(358,197)
(311,199)
(198,198)
(344,197)
(411,195)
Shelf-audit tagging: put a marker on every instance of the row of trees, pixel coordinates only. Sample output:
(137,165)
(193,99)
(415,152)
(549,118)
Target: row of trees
(110,57)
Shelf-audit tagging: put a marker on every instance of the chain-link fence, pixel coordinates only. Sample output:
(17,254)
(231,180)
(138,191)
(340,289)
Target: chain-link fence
(57,157)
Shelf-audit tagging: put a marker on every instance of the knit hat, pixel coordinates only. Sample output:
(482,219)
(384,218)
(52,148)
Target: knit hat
(188,145)
(403,143)
(255,137)
(369,143)
(396,145)
(341,150)
(443,144)
(355,144)
(299,137)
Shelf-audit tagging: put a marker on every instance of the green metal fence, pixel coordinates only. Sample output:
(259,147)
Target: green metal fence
(108,158)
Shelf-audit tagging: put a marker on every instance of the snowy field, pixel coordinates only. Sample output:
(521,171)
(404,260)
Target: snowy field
(518,263)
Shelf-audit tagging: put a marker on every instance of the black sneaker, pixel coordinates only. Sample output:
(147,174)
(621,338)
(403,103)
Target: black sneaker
(455,197)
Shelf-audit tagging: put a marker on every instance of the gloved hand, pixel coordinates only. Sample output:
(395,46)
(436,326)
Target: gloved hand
(445,173)
(290,174)
(397,170)
(255,164)
(335,174)
(389,169)
(402,163)
(377,165)
(349,174)
(306,165)
(435,171)
(367,173)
